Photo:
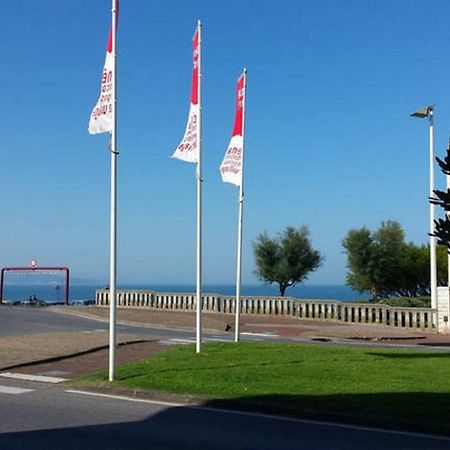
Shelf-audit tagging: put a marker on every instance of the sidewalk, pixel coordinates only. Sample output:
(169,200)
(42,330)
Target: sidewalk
(278,325)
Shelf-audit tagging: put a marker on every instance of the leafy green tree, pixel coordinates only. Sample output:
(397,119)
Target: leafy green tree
(442,264)
(359,247)
(286,259)
(414,276)
(383,264)
(374,258)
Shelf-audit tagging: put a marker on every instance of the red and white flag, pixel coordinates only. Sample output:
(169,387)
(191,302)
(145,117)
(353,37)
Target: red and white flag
(189,146)
(231,167)
(101,120)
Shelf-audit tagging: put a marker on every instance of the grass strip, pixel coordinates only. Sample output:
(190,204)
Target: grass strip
(391,388)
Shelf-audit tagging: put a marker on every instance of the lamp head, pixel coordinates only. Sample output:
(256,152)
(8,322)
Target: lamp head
(424,112)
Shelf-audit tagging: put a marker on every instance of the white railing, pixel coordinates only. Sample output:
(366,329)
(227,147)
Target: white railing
(334,310)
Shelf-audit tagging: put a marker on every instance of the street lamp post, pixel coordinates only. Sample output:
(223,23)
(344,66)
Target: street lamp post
(428,112)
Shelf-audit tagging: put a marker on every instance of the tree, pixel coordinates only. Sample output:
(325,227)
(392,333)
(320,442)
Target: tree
(383,264)
(442,264)
(359,247)
(414,276)
(286,259)
(374,258)
(442,226)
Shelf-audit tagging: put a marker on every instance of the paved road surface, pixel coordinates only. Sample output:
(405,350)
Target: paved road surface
(19,321)
(42,416)
(39,416)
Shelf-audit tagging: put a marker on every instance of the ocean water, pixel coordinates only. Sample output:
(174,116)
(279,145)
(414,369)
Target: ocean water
(50,293)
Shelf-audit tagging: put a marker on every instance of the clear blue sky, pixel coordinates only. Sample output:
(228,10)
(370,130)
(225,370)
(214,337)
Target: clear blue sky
(329,141)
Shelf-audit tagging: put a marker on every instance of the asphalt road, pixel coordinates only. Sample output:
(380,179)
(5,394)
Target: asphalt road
(42,416)
(22,321)
(54,417)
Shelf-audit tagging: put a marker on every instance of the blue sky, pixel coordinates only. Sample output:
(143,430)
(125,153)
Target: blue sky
(329,141)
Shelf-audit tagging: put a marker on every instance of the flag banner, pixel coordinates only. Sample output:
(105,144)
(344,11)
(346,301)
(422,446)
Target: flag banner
(189,146)
(231,167)
(101,117)
(101,120)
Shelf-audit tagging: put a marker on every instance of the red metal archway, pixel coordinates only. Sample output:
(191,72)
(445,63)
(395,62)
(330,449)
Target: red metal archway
(34,268)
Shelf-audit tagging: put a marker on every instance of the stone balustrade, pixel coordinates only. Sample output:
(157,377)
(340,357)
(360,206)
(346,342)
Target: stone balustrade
(376,314)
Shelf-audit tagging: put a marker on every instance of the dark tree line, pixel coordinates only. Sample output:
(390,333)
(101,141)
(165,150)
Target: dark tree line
(382,263)
(379,262)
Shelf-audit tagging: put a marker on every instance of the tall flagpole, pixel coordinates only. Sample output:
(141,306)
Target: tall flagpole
(240,222)
(239,261)
(113,220)
(199,198)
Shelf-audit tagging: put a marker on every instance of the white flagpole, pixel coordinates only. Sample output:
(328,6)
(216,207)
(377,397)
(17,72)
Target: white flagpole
(239,267)
(113,220)
(199,198)
(240,222)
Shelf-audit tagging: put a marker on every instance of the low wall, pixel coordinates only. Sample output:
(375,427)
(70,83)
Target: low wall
(410,318)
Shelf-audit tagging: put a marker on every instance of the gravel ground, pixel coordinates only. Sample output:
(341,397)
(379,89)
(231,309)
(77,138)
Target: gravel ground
(15,351)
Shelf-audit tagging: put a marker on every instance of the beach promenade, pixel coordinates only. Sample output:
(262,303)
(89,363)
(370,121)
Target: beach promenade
(73,341)
(40,348)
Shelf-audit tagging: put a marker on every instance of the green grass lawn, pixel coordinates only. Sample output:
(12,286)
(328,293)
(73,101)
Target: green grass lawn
(400,389)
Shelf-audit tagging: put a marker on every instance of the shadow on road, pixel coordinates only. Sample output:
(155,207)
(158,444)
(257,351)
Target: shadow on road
(415,355)
(213,426)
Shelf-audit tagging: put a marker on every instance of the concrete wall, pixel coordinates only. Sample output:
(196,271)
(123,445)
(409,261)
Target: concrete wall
(374,314)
